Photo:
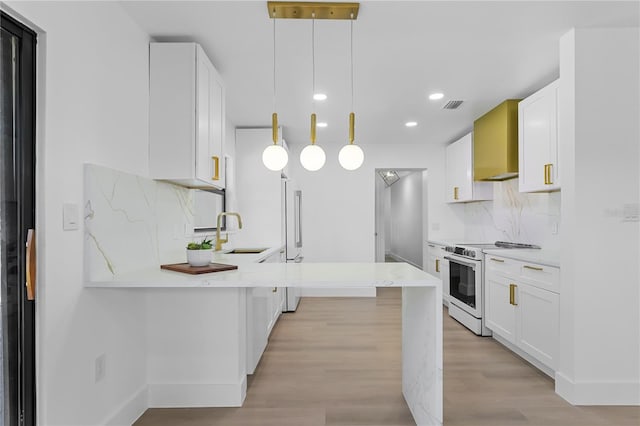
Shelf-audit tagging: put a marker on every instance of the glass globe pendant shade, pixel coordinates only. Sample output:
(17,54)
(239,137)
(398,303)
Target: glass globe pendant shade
(275,157)
(312,157)
(351,157)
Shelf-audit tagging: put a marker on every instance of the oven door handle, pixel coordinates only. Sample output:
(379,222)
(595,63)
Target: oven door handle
(470,265)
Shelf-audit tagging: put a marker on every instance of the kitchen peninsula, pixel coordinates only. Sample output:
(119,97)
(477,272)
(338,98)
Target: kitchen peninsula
(421,316)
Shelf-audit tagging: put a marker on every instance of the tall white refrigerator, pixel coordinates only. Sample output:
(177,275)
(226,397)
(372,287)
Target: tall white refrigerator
(292,228)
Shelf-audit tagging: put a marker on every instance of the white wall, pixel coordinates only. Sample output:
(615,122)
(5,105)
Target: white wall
(406,219)
(259,193)
(599,133)
(93,97)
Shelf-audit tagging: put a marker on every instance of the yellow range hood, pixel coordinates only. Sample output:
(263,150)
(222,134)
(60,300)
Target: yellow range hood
(495,143)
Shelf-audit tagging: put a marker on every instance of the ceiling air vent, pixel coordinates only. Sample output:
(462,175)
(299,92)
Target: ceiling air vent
(452,105)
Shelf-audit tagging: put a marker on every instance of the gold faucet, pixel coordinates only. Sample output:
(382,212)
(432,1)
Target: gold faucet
(219,240)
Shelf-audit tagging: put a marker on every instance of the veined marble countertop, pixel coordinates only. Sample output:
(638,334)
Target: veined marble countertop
(540,256)
(281,274)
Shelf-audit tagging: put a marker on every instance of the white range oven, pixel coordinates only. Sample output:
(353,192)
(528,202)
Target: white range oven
(464,277)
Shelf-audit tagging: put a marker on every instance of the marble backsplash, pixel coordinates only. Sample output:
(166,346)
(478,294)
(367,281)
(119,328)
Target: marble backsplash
(132,222)
(514,216)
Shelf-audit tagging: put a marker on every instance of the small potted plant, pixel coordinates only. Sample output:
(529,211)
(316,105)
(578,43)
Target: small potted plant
(199,254)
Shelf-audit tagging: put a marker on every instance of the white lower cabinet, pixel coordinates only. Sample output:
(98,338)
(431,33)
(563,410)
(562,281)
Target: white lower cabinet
(435,266)
(500,313)
(523,310)
(264,306)
(537,322)
(257,325)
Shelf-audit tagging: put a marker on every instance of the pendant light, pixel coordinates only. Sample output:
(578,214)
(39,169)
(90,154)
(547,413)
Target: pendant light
(312,156)
(274,157)
(351,155)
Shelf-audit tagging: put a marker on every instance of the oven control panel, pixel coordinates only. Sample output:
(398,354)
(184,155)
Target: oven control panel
(461,251)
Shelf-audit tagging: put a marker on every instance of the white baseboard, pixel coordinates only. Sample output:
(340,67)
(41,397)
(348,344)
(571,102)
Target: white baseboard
(165,395)
(338,292)
(597,393)
(130,410)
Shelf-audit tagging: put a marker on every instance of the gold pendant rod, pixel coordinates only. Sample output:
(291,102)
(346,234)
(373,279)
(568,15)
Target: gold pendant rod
(313,129)
(274,127)
(352,125)
(312,10)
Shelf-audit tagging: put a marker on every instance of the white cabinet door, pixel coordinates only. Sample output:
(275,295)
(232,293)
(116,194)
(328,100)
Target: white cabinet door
(275,297)
(217,128)
(186,116)
(258,316)
(460,186)
(500,313)
(537,319)
(433,262)
(435,266)
(456,162)
(538,141)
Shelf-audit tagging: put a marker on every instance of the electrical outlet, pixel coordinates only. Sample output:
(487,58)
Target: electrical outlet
(100,368)
(554,228)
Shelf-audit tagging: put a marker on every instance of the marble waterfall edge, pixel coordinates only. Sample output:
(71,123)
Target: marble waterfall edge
(132,222)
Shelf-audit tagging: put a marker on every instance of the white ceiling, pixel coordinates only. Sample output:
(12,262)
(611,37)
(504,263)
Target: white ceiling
(479,52)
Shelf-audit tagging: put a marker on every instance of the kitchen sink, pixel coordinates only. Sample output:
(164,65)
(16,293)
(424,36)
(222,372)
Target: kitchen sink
(246,251)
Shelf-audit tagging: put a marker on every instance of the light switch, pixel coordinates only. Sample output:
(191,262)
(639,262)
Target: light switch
(70,217)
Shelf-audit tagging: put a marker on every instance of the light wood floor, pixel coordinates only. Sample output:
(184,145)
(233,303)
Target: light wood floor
(336,361)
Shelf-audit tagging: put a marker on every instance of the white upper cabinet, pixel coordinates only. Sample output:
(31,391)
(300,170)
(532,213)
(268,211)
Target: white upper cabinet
(538,141)
(460,186)
(186,116)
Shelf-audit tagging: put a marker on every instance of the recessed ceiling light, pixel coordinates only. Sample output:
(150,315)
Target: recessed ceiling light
(411,124)
(436,96)
(319,96)
(321,124)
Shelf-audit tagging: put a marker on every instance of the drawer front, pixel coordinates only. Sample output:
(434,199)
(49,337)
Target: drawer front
(541,276)
(501,266)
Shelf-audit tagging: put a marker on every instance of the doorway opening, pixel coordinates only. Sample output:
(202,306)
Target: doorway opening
(17,223)
(401,215)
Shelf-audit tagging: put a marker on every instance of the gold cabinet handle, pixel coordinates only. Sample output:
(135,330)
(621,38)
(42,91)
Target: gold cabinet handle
(547,174)
(216,168)
(512,294)
(31,264)
(455,192)
(274,290)
(497,260)
(546,179)
(437,265)
(535,268)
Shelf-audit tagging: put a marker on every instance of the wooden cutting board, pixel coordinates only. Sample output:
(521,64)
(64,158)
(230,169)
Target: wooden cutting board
(194,270)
